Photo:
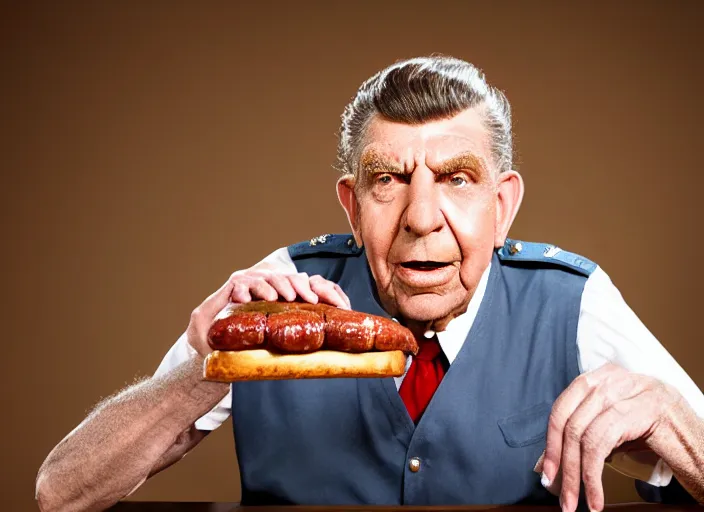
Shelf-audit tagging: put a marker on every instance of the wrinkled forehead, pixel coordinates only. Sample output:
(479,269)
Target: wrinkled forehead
(404,146)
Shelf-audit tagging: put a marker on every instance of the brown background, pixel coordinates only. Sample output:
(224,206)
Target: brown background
(149,149)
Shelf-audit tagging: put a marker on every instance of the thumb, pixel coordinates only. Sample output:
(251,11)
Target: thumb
(218,300)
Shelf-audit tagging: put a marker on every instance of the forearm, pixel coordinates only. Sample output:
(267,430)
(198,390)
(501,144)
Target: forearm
(119,444)
(681,445)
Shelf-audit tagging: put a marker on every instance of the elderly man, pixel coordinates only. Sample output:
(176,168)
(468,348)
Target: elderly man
(532,374)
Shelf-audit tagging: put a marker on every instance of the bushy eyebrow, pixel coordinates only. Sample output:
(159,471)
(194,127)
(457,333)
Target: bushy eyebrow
(464,161)
(374,161)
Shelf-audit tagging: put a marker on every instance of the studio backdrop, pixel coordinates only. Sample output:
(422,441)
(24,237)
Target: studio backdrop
(151,149)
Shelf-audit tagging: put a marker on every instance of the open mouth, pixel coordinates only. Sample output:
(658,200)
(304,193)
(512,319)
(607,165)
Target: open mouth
(424,265)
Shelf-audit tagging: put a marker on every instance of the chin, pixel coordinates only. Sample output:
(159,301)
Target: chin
(427,307)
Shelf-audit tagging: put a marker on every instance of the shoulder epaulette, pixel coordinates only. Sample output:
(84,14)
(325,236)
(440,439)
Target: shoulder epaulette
(325,244)
(520,251)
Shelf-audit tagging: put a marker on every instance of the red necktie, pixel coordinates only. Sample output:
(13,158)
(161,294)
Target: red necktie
(422,378)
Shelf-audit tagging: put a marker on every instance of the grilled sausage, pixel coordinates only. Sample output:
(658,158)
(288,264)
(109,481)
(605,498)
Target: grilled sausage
(297,328)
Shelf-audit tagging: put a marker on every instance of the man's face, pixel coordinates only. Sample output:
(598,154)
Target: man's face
(427,199)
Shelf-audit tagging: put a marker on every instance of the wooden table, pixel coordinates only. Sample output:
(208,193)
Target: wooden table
(153,506)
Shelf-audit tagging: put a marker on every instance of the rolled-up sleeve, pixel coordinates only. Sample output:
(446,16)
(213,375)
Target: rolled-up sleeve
(180,352)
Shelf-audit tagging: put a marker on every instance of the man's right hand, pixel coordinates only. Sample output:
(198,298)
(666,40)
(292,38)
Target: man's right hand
(260,284)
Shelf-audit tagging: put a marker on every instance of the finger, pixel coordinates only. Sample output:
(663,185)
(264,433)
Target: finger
(301,283)
(240,292)
(554,486)
(624,421)
(216,301)
(343,295)
(570,466)
(262,290)
(614,387)
(570,460)
(282,286)
(326,292)
(593,470)
(562,409)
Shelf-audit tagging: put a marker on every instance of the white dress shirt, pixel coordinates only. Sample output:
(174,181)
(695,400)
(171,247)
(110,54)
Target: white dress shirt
(608,331)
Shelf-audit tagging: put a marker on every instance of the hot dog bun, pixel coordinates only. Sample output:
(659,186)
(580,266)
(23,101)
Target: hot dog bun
(231,366)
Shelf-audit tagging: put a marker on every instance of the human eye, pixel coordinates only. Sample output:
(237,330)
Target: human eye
(385,185)
(384,179)
(458,179)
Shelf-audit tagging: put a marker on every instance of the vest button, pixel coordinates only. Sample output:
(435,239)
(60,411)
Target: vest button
(414,464)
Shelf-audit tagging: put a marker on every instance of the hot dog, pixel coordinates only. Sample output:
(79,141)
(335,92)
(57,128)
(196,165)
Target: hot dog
(279,340)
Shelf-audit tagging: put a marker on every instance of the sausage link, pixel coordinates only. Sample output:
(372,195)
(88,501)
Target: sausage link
(388,335)
(295,332)
(239,331)
(348,331)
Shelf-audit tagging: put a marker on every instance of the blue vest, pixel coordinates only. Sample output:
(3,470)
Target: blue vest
(349,441)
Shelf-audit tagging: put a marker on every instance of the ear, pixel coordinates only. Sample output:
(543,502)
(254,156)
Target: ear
(510,190)
(348,199)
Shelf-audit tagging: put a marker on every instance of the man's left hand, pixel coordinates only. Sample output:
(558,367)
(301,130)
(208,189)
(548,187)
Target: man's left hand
(599,412)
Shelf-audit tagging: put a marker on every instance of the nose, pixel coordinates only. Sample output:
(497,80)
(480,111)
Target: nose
(423,215)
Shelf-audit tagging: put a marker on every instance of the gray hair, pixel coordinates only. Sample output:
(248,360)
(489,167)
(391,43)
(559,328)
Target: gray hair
(420,90)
